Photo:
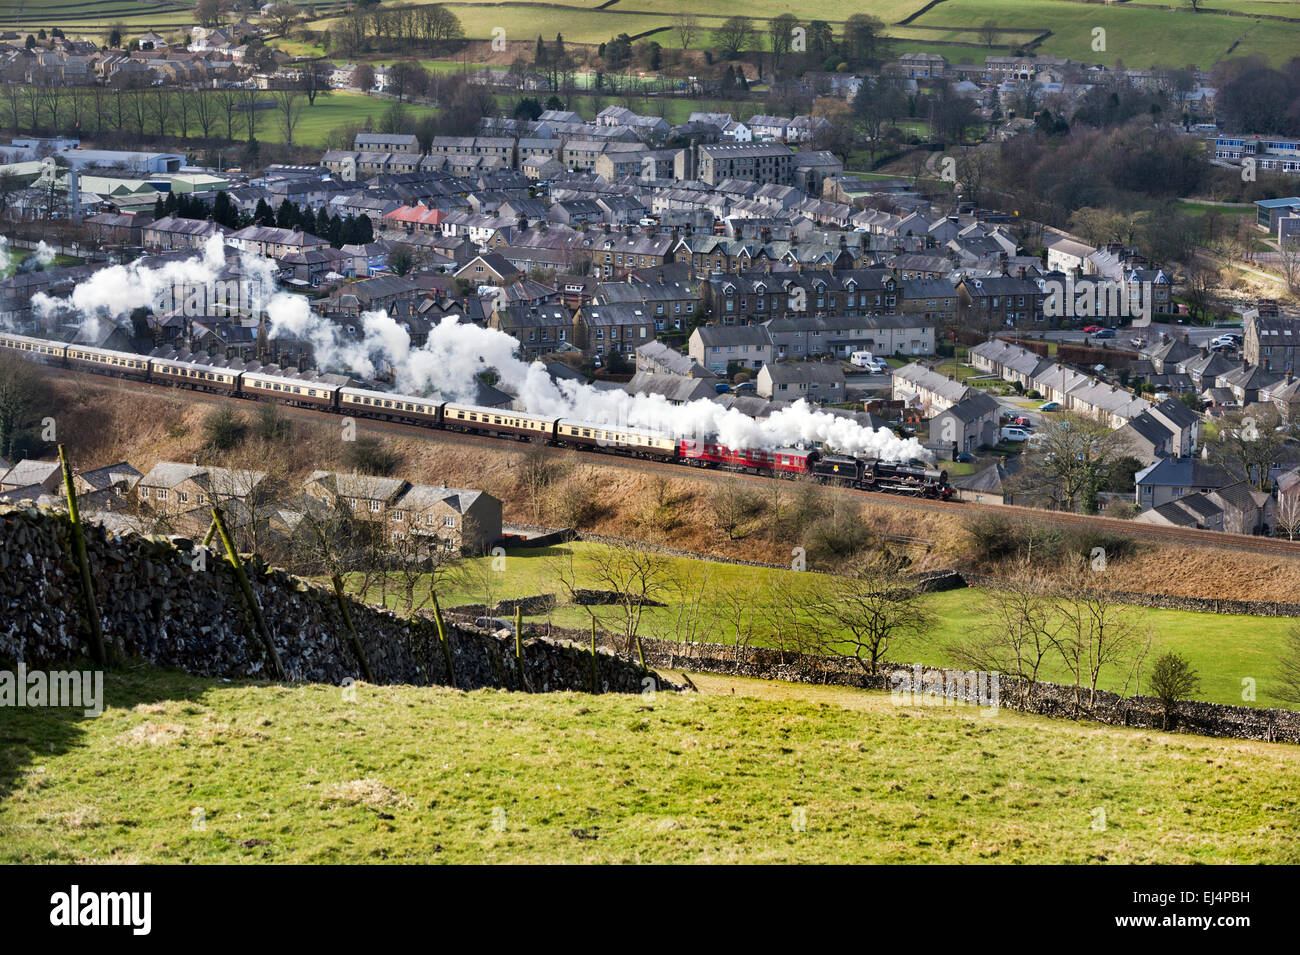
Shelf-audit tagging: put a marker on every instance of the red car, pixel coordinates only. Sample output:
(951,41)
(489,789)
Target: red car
(1092,328)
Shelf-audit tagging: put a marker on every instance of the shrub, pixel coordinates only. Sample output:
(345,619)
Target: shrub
(370,455)
(223,428)
(1172,679)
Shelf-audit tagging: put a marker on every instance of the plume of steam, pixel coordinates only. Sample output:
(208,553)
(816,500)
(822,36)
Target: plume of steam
(449,364)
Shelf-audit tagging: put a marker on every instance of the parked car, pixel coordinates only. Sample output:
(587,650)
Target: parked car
(745,386)
(964,458)
(1015,434)
(1105,333)
(1091,328)
(1050,406)
(1021,421)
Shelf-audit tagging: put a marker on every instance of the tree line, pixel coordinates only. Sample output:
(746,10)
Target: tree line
(338,230)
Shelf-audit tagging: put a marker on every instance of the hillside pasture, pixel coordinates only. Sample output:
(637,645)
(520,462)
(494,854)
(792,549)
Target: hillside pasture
(184,770)
(1224,649)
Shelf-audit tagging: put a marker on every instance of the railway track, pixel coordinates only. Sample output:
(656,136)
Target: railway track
(956,509)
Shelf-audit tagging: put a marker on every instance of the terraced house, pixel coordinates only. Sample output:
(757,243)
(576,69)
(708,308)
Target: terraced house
(1000,302)
(715,346)
(540,329)
(618,329)
(174,488)
(463,520)
(757,296)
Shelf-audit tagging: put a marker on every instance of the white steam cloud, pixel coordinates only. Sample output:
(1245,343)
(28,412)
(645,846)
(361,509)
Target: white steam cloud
(456,353)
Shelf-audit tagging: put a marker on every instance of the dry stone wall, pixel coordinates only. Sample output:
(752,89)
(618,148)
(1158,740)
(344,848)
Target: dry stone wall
(177,604)
(914,683)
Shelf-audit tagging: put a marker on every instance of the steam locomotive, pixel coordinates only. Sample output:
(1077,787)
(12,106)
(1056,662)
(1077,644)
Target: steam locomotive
(871,474)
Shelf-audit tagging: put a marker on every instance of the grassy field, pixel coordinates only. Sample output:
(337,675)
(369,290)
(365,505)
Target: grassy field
(1224,649)
(1141,36)
(339,108)
(1200,209)
(183,770)
(1141,33)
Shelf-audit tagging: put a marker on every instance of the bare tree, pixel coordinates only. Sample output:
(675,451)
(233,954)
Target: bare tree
(247,104)
(1097,635)
(1287,516)
(207,110)
(734,508)
(160,106)
(794,614)
(1071,463)
(1287,685)
(691,586)
(739,611)
(282,16)
(687,27)
(289,104)
(633,580)
(535,473)
(22,393)
(872,609)
(735,34)
(988,33)
(229,102)
(1251,441)
(1021,625)
(1288,261)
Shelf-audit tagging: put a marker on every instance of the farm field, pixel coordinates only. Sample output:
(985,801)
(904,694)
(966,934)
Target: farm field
(1224,649)
(339,108)
(236,772)
(1140,34)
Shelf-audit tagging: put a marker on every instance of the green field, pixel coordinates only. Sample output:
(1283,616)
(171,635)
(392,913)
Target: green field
(1224,649)
(1139,34)
(183,770)
(339,108)
(1201,208)
(330,111)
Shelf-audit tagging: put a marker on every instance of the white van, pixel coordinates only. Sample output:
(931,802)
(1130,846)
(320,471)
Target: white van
(1015,434)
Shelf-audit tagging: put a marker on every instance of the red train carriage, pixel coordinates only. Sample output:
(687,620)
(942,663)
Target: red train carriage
(784,462)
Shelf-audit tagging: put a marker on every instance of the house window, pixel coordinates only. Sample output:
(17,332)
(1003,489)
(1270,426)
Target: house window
(162,494)
(449,521)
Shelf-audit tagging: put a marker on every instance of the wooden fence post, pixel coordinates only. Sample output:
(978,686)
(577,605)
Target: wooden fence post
(442,638)
(97,651)
(250,598)
(337,581)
